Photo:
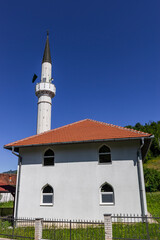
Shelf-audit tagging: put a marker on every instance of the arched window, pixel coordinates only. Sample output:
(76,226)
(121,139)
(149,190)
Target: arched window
(107,194)
(104,154)
(47,195)
(48,158)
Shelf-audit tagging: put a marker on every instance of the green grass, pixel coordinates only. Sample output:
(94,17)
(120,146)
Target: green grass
(6,204)
(153,163)
(120,230)
(7,229)
(153,203)
(136,231)
(87,233)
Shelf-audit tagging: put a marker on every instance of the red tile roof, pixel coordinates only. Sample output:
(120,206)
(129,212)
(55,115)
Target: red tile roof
(81,131)
(7,189)
(7,181)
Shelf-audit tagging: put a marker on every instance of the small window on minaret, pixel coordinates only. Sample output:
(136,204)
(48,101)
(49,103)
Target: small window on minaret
(48,158)
(44,79)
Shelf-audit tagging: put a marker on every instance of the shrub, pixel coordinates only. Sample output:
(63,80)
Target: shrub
(6,204)
(4,224)
(6,212)
(152,180)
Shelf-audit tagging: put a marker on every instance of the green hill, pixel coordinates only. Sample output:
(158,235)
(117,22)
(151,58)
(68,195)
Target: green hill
(11,171)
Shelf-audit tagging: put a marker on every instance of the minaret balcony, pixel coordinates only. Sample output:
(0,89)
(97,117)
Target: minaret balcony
(45,88)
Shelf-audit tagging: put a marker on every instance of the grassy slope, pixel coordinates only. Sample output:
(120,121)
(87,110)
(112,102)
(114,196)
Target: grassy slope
(153,163)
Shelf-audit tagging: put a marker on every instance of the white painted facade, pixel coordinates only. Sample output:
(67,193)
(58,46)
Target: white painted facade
(76,179)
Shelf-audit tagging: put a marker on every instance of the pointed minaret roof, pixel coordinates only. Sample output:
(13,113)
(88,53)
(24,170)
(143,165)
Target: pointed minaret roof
(47,55)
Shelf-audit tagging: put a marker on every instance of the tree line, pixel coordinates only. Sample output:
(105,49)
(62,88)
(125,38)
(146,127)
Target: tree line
(152,176)
(154,129)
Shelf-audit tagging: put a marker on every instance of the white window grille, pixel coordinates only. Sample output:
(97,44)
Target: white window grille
(106,194)
(47,195)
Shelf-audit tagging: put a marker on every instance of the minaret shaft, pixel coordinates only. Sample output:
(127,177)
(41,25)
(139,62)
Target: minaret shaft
(44,114)
(45,91)
(46,72)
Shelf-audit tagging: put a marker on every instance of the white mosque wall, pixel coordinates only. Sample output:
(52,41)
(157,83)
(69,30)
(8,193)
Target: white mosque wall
(76,179)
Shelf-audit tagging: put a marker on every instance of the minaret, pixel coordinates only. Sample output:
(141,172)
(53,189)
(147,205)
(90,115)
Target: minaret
(45,91)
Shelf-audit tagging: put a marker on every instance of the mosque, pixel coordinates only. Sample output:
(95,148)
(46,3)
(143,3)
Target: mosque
(82,170)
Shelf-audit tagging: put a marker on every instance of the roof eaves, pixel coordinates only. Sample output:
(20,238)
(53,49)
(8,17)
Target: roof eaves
(74,142)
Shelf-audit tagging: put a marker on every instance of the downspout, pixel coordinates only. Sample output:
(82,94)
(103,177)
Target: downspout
(18,182)
(141,180)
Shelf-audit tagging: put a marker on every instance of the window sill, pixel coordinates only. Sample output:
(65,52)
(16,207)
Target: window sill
(46,205)
(48,165)
(106,204)
(107,163)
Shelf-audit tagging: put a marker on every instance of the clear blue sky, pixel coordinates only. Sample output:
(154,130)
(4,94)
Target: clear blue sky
(106,63)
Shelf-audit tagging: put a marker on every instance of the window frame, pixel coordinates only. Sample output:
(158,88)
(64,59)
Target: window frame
(45,157)
(106,193)
(107,153)
(48,194)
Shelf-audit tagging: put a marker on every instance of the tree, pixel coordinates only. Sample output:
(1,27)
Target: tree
(154,129)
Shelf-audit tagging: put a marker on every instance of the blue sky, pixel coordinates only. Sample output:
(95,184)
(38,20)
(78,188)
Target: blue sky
(106,63)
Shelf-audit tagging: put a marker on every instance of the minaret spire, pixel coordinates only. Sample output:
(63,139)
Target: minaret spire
(47,55)
(45,91)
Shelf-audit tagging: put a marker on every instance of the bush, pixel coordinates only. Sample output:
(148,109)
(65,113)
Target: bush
(6,204)
(152,180)
(6,212)
(4,224)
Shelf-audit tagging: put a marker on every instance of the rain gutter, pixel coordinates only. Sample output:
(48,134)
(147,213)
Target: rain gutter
(141,180)
(84,141)
(17,183)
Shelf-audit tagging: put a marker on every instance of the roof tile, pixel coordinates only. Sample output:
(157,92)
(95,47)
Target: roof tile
(84,130)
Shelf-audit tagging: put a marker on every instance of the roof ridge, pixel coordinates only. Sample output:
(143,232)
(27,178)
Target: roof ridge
(123,128)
